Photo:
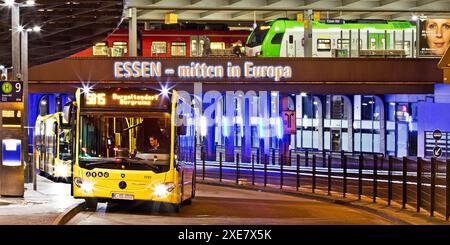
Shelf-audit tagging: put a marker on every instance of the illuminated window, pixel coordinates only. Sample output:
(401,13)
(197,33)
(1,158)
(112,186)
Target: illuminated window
(100,49)
(119,49)
(178,49)
(159,47)
(343,43)
(193,47)
(399,46)
(323,44)
(217,45)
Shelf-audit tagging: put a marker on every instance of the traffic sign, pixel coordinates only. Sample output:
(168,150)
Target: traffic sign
(437,134)
(437,151)
(11,91)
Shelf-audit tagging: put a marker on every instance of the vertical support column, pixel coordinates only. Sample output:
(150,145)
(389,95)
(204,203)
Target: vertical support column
(229,124)
(132,29)
(24,67)
(15,22)
(308,20)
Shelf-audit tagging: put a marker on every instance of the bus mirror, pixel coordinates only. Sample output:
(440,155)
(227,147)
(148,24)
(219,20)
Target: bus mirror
(67,112)
(43,106)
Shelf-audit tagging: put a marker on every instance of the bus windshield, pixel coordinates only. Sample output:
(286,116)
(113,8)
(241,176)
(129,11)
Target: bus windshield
(257,37)
(139,139)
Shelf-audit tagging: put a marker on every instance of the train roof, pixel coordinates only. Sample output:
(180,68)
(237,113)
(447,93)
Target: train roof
(349,24)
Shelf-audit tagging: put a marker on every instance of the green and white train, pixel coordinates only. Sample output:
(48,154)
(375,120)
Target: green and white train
(285,38)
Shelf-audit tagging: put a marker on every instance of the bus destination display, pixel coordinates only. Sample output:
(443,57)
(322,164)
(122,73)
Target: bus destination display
(125,100)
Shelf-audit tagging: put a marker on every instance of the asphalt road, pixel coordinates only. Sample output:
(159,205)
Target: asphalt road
(222,205)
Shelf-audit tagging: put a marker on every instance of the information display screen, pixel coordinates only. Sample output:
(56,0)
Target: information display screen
(12,91)
(127,99)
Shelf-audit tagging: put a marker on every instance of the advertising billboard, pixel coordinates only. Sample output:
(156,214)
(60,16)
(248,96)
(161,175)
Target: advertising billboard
(434,37)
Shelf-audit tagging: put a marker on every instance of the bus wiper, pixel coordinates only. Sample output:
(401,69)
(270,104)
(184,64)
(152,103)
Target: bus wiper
(141,162)
(137,125)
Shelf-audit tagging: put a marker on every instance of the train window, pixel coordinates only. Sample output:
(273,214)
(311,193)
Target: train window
(119,49)
(178,49)
(217,45)
(343,43)
(291,39)
(399,46)
(277,38)
(323,45)
(100,49)
(159,47)
(193,47)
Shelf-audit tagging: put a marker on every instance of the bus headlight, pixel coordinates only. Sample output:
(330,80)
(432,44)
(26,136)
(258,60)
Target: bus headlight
(162,190)
(85,185)
(61,170)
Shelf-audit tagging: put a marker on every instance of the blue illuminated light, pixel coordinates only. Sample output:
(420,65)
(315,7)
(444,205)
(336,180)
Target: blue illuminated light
(279,128)
(225,127)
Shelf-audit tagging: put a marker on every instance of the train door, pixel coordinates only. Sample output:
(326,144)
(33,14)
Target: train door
(195,46)
(378,41)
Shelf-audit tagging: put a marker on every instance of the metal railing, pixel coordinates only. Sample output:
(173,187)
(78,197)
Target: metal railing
(415,182)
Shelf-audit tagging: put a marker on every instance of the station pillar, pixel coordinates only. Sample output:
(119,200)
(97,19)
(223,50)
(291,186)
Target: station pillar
(308,24)
(132,29)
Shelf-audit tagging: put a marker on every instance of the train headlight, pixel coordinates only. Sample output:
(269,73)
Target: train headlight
(162,190)
(85,185)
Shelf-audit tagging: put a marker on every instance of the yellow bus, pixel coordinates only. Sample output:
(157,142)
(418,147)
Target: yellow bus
(131,144)
(52,144)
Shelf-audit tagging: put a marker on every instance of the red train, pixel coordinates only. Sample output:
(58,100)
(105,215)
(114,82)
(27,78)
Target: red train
(172,43)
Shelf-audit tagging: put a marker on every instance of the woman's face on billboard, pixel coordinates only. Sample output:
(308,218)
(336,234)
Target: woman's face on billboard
(438,35)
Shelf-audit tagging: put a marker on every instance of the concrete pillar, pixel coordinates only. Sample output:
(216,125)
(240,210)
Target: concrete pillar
(15,22)
(308,19)
(132,29)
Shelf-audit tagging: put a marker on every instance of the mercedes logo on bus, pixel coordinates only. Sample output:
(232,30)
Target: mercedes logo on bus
(122,185)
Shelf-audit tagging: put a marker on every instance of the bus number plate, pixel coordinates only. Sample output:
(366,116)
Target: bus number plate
(122,196)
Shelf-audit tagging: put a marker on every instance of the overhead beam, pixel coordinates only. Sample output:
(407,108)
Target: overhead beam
(207,13)
(239,14)
(421,3)
(309,2)
(271,14)
(348,2)
(269,2)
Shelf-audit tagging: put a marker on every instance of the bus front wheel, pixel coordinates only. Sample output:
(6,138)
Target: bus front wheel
(90,204)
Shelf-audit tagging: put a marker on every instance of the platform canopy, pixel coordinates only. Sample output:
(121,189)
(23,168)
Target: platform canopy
(246,11)
(67,27)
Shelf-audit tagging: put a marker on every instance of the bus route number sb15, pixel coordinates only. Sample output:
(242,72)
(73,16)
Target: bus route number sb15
(96,99)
